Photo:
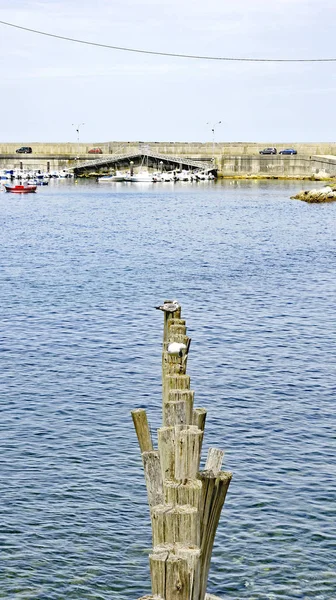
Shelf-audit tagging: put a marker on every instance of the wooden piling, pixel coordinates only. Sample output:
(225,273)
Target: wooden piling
(185,504)
(178,408)
(142,429)
(199,416)
(214,460)
(153,477)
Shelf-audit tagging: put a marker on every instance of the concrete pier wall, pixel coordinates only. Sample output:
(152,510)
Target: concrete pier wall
(231,159)
(277,166)
(191,149)
(33,162)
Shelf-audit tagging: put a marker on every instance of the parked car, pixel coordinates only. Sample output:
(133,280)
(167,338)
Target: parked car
(95,151)
(268,151)
(288,151)
(24,150)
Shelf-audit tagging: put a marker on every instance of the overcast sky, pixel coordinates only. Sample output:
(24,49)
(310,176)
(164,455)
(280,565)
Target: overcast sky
(49,84)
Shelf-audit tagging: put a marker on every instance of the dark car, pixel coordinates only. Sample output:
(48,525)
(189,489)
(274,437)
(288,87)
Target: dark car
(288,151)
(268,151)
(95,151)
(24,150)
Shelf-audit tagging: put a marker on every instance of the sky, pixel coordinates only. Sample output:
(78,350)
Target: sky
(50,86)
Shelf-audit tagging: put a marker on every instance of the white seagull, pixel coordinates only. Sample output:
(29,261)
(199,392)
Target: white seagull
(176,348)
(169,306)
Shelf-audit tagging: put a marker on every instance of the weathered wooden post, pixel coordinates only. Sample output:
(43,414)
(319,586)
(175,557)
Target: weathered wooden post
(185,503)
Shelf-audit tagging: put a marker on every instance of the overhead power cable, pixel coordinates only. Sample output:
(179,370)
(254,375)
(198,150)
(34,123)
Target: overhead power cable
(171,54)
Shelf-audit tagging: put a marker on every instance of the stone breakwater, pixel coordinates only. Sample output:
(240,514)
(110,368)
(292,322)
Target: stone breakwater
(315,196)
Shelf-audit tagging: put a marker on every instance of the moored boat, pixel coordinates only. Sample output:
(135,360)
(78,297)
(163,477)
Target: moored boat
(182,175)
(40,182)
(110,178)
(24,188)
(140,177)
(168,176)
(157,177)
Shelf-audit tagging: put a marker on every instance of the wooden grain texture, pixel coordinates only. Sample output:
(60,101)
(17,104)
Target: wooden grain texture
(177,333)
(185,524)
(172,364)
(208,481)
(208,533)
(178,382)
(214,460)
(167,318)
(161,584)
(173,375)
(175,524)
(175,321)
(175,412)
(174,382)
(178,396)
(159,523)
(142,430)
(178,584)
(199,416)
(153,477)
(188,443)
(166,443)
(183,493)
(157,564)
(192,556)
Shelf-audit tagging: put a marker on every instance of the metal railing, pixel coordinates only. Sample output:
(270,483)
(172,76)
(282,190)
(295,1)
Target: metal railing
(112,158)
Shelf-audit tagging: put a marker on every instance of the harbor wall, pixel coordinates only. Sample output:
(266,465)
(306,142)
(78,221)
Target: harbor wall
(186,149)
(231,159)
(228,166)
(277,166)
(35,162)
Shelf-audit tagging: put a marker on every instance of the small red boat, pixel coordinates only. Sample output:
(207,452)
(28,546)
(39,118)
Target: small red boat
(23,188)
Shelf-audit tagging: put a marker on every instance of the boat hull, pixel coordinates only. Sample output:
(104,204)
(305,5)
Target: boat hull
(111,179)
(20,189)
(139,179)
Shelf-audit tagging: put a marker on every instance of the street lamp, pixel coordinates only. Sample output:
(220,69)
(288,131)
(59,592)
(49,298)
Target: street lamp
(213,137)
(78,132)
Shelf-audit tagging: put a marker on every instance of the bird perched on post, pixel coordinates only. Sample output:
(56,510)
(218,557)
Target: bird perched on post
(176,348)
(169,306)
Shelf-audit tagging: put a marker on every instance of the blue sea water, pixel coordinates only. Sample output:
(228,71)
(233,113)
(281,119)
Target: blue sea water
(82,267)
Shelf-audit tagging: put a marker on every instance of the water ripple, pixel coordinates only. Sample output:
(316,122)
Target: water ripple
(80,347)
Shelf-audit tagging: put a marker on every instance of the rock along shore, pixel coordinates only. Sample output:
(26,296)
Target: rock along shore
(315,196)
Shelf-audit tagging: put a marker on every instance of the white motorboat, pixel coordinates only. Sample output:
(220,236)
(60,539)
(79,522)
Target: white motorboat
(157,178)
(168,176)
(182,176)
(140,177)
(64,174)
(110,178)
